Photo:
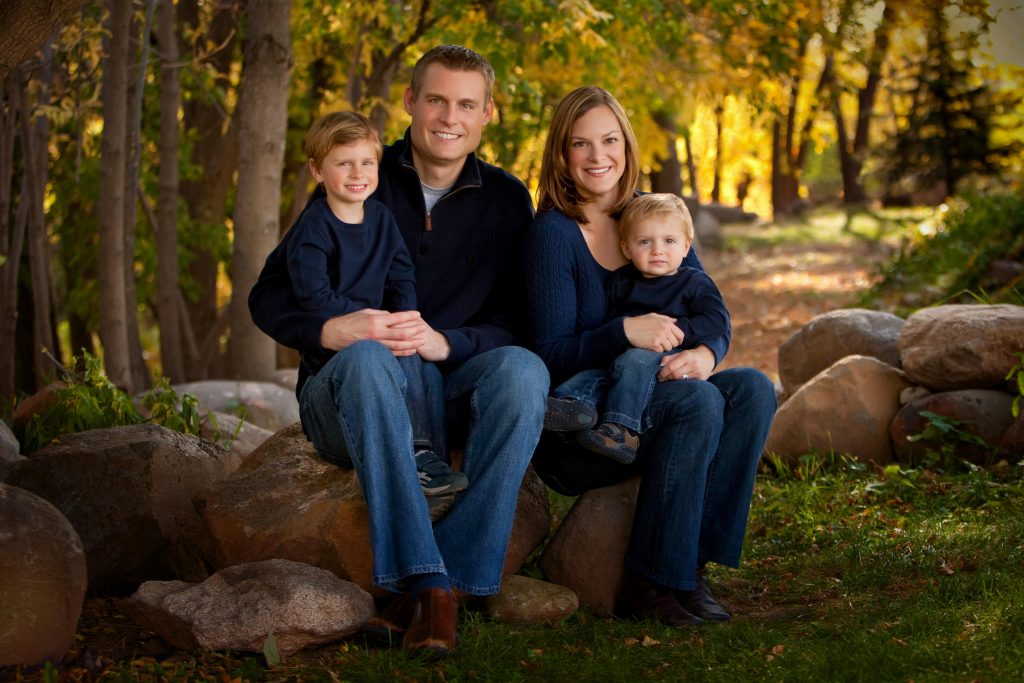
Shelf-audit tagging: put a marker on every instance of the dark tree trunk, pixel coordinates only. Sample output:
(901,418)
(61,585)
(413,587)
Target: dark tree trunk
(669,176)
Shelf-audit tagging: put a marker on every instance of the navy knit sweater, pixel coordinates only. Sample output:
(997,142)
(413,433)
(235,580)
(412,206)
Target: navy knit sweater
(570,320)
(467,256)
(689,296)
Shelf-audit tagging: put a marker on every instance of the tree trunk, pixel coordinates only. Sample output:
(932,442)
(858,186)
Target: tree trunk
(12,93)
(113,304)
(716,187)
(262,116)
(669,177)
(171,349)
(691,165)
(36,136)
(138,61)
(26,24)
(215,150)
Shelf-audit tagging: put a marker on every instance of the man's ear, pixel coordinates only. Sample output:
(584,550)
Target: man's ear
(408,100)
(488,110)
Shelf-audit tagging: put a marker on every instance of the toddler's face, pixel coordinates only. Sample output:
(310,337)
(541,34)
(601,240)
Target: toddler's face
(657,246)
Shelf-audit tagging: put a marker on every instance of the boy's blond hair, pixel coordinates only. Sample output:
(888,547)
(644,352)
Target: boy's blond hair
(339,128)
(659,205)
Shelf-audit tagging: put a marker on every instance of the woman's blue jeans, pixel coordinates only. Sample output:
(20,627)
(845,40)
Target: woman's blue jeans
(697,464)
(354,412)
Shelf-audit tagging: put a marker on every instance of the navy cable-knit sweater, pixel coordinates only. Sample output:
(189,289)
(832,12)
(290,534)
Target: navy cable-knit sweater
(571,326)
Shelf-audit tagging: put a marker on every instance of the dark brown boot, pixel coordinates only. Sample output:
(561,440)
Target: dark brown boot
(434,623)
(700,600)
(642,599)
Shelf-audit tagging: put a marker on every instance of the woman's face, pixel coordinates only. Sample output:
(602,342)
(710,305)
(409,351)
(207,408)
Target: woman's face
(597,154)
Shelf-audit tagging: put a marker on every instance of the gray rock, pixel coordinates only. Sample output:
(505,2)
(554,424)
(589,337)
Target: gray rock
(586,552)
(1013,440)
(265,404)
(831,336)
(708,230)
(523,600)
(10,449)
(286,377)
(846,408)
(914,393)
(962,346)
(42,579)
(983,413)
(237,435)
(127,491)
(239,607)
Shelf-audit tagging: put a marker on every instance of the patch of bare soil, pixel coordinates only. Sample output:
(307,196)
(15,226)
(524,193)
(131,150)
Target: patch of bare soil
(773,292)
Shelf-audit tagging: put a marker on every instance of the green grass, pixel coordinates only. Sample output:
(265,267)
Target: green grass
(849,574)
(827,225)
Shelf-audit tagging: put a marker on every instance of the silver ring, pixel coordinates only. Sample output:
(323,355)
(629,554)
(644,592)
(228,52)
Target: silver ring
(685,376)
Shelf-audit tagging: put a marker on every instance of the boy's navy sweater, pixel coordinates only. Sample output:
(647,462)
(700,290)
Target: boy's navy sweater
(467,256)
(688,295)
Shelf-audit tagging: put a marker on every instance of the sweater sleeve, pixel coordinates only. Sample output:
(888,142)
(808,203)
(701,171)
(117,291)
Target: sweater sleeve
(718,345)
(400,286)
(708,321)
(557,294)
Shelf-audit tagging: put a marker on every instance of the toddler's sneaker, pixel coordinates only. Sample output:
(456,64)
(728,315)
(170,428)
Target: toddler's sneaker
(436,477)
(612,441)
(568,415)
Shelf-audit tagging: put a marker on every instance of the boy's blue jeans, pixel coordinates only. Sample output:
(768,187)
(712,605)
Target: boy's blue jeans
(622,393)
(354,413)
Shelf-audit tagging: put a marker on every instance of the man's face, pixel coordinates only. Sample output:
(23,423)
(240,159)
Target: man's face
(448,115)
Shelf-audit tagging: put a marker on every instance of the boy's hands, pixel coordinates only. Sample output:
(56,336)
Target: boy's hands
(404,333)
(652,331)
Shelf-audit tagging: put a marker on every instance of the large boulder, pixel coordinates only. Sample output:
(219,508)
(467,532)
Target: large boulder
(586,552)
(981,413)
(846,408)
(832,336)
(265,404)
(962,346)
(128,492)
(1013,440)
(286,502)
(42,579)
(238,608)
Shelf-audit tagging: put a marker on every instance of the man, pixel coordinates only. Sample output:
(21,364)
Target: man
(463,221)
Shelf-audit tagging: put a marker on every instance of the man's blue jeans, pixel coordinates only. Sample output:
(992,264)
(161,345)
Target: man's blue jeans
(354,413)
(424,401)
(622,393)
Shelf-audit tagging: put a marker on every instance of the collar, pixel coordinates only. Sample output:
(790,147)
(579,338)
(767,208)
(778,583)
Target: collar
(469,176)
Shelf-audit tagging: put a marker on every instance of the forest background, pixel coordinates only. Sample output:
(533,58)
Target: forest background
(150,151)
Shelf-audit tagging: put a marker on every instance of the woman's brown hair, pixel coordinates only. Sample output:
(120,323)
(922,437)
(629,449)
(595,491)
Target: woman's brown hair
(557,188)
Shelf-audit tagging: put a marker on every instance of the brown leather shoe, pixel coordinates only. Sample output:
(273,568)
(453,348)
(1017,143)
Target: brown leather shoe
(434,620)
(642,599)
(389,625)
(701,602)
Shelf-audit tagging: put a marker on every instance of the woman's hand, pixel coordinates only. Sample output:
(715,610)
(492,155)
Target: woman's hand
(696,363)
(653,331)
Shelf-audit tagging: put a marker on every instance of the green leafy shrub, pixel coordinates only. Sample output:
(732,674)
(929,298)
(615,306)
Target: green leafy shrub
(951,258)
(91,401)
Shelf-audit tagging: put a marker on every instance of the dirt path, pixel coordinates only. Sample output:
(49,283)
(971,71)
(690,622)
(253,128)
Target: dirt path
(773,291)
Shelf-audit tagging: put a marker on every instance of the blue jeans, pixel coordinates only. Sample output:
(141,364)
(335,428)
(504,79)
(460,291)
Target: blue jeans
(621,394)
(354,413)
(424,401)
(697,464)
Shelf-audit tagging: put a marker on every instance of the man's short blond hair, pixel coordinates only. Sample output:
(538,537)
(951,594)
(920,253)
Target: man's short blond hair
(453,58)
(339,128)
(658,205)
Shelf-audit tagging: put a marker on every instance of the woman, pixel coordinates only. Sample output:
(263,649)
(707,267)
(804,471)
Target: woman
(703,433)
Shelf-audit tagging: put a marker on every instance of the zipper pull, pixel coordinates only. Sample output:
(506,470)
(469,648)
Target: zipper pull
(425,238)
(429,225)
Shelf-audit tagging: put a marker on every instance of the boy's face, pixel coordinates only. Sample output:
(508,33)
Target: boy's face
(348,172)
(448,115)
(657,246)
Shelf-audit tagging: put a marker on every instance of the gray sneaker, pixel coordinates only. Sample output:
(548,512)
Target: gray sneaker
(436,477)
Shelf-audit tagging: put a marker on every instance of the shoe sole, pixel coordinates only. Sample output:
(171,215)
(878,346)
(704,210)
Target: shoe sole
(560,417)
(623,458)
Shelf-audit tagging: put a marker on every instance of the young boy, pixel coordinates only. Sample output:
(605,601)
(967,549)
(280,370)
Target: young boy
(656,232)
(346,254)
